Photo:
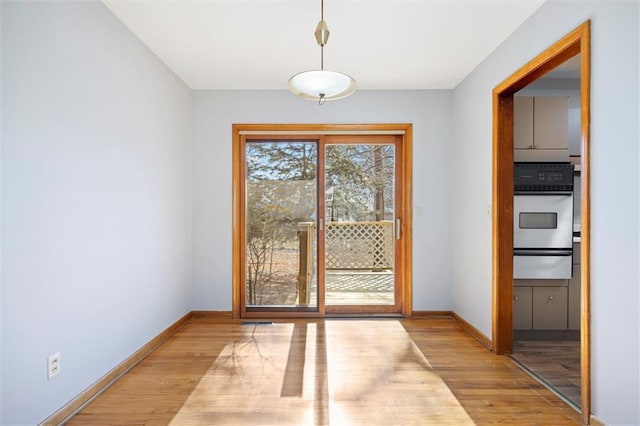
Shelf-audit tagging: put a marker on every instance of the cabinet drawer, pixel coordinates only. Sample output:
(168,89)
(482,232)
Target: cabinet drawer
(522,308)
(550,308)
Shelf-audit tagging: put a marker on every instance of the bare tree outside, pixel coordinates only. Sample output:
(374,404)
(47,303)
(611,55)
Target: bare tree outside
(361,178)
(281,192)
(281,179)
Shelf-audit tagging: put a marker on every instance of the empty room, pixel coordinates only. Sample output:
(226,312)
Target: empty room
(319,212)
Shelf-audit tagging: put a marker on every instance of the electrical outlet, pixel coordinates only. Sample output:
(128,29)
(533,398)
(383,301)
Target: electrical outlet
(53,365)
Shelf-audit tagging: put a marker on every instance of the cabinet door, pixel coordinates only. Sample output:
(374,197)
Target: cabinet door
(574,299)
(523,122)
(574,132)
(576,251)
(551,122)
(522,308)
(575,284)
(550,308)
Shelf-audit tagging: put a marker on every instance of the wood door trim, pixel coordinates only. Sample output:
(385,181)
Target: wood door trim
(239,132)
(237,231)
(576,42)
(321,235)
(324,129)
(407,227)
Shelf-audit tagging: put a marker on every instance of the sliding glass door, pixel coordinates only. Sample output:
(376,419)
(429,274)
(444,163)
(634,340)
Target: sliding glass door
(280,216)
(361,220)
(320,224)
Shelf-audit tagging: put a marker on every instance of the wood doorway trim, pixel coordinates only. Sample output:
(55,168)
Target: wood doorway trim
(576,42)
(404,268)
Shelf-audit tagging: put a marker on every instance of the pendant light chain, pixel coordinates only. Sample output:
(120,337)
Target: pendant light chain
(321,99)
(322,44)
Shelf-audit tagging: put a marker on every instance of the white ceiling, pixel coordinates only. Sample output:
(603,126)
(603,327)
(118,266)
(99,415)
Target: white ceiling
(259,44)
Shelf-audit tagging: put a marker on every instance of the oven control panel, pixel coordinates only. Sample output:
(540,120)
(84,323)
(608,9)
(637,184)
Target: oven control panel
(542,177)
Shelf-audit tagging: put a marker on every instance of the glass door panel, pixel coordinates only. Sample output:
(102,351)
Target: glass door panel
(280,225)
(360,192)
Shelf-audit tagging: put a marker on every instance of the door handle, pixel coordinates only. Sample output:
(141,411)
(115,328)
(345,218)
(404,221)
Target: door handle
(534,193)
(542,252)
(398,228)
(321,224)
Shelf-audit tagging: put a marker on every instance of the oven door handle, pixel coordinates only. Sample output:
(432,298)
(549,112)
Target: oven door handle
(543,193)
(542,252)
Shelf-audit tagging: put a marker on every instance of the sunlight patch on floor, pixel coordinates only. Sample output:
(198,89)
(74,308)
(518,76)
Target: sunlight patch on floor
(330,372)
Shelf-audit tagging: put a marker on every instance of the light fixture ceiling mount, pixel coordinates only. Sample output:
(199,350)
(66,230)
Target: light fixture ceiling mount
(322,85)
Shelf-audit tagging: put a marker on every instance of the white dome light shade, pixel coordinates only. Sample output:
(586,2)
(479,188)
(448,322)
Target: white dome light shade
(316,83)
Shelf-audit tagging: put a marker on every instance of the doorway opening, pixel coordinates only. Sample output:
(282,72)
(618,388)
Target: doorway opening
(321,220)
(575,43)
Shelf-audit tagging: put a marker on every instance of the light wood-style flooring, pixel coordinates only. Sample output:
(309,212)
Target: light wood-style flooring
(325,372)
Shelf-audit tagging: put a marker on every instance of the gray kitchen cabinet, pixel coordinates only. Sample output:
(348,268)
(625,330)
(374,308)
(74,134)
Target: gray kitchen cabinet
(522,308)
(541,128)
(575,284)
(523,122)
(574,132)
(551,122)
(549,308)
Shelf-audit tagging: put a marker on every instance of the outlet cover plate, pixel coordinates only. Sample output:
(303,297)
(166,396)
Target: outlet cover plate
(53,365)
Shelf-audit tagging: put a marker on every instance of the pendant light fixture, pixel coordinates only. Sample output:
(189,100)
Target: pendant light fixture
(322,85)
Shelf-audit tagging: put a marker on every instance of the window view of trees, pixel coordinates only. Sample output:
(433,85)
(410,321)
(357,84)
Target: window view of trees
(359,182)
(281,192)
(281,179)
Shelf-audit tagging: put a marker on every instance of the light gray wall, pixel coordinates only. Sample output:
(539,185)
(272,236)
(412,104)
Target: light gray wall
(216,111)
(96,192)
(96,205)
(615,189)
(1,239)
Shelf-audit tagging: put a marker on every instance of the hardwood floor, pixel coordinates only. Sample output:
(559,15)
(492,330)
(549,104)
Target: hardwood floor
(556,362)
(321,372)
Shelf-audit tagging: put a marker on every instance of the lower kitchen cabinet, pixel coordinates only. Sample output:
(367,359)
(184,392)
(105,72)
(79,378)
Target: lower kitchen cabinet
(548,305)
(549,308)
(522,308)
(540,308)
(575,284)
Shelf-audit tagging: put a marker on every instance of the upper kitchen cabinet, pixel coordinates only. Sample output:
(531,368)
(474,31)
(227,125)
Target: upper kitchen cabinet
(541,128)
(574,132)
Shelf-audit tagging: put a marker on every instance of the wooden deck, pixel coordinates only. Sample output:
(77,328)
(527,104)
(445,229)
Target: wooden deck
(359,288)
(325,372)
